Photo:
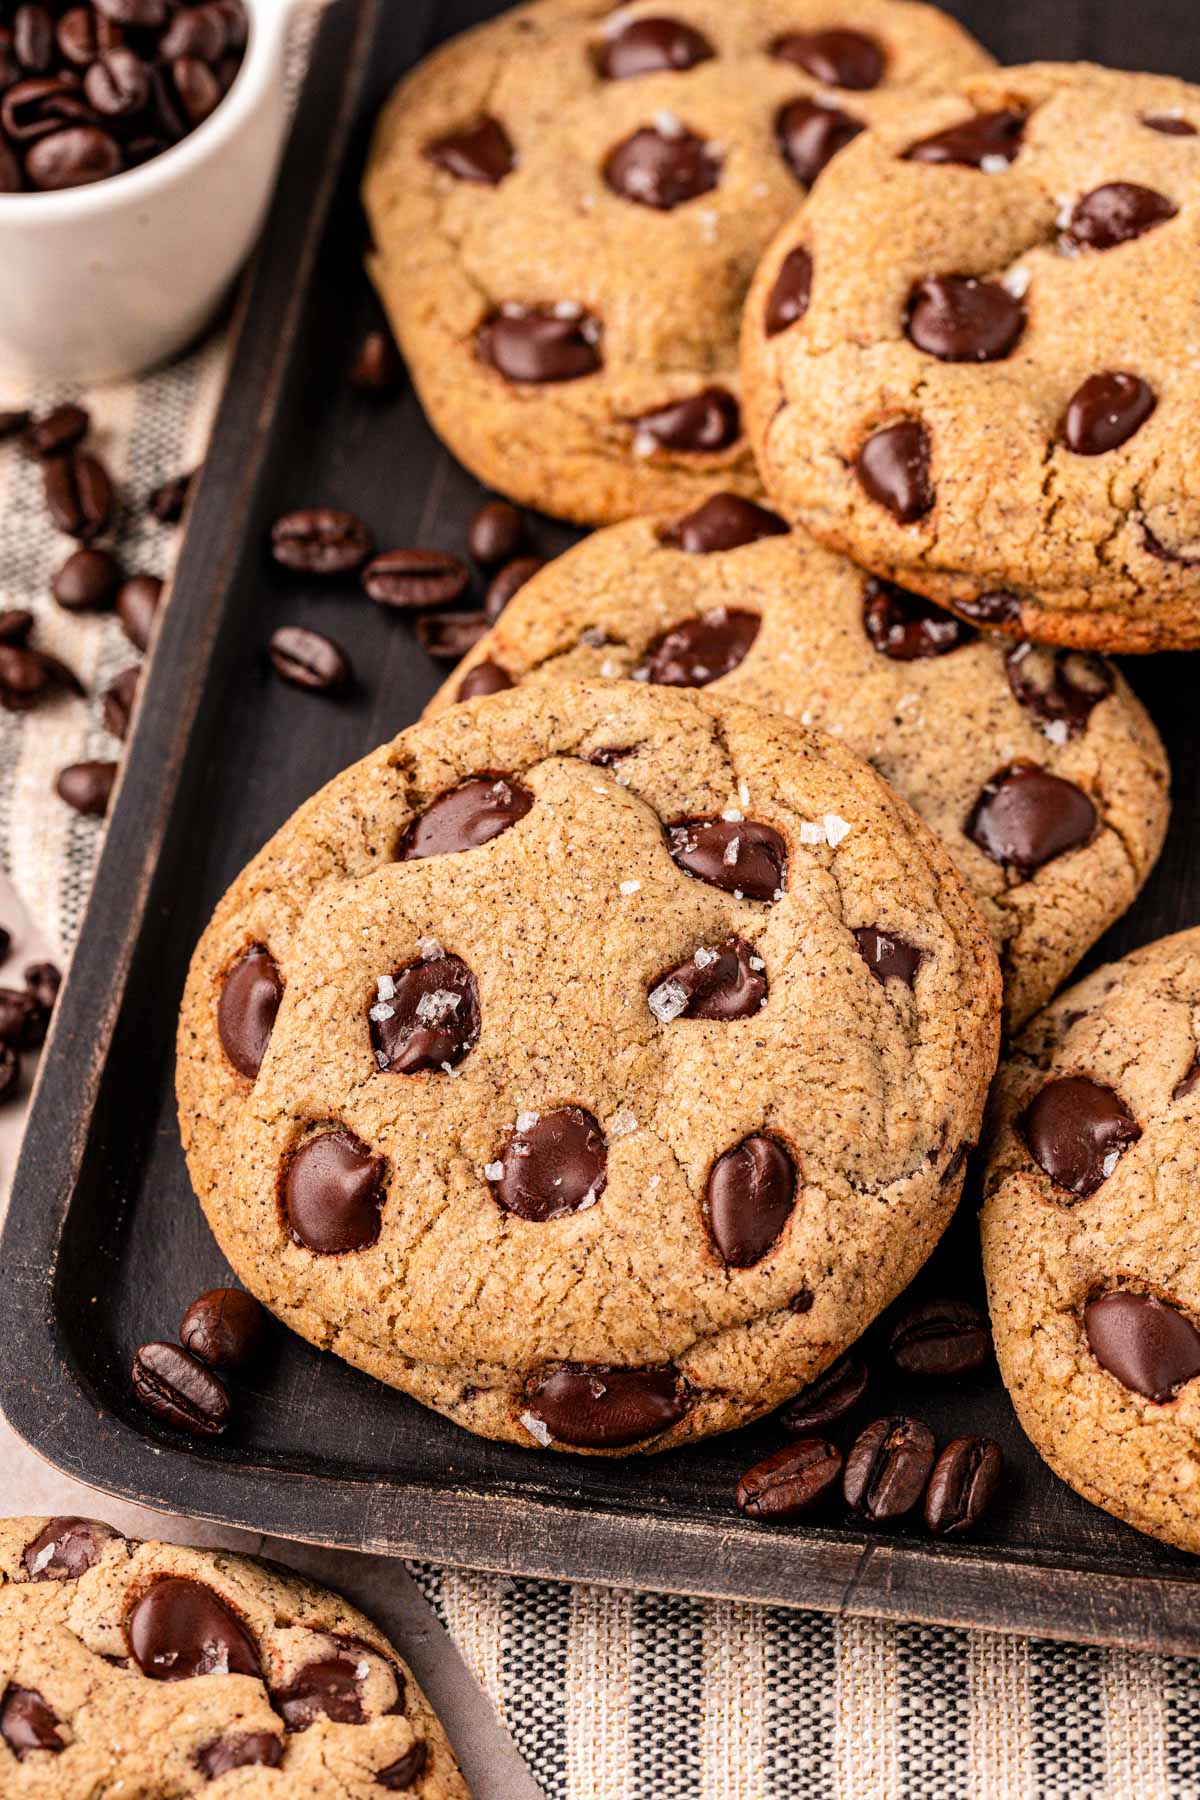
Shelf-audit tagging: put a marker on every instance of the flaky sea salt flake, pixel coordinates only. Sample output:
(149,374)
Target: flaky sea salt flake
(667,1001)
(536,1429)
(630,887)
(836,828)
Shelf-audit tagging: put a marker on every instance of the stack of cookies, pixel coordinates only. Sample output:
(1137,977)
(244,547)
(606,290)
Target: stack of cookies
(595,1061)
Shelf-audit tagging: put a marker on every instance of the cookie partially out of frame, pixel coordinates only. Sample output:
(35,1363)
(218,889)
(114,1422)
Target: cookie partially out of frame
(145,1670)
(1090,1236)
(1039,769)
(619,1050)
(989,388)
(568,205)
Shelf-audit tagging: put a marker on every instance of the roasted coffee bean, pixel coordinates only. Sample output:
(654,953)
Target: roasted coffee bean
(43,980)
(425,1017)
(33,38)
(789,298)
(56,432)
(810,136)
(83,34)
(1025,817)
(554,1164)
(376,368)
(893,469)
(725,522)
(959,319)
(482,153)
(541,344)
(484,678)
(308,660)
(10,1072)
(405,1771)
(726,983)
(194,31)
(118,84)
(87,581)
(701,650)
(196,88)
(16,623)
(1151,1348)
(599,1407)
(651,47)
(508,581)
(496,533)
(447,636)
(750,1197)
(66,1548)
(333,1192)
(178,1389)
(27,1723)
(1077,1131)
(836,58)
(1106,411)
(41,106)
(941,1338)
(888,1467)
(989,141)
(699,425)
(792,1482)
(908,628)
(26,675)
(741,857)
(964,1480)
(1062,688)
(888,956)
(415,578)
(79,494)
(320,540)
(828,1398)
(223,1328)
(168,500)
(23,1019)
(119,702)
(241,1750)
(13,421)
(181,1628)
(11,179)
(465,817)
(251,995)
(87,786)
(138,601)
(72,158)
(662,169)
(1115,213)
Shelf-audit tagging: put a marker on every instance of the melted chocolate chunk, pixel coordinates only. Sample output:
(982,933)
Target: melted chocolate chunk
(27,1723)
(482,152)
(541,344)
(738,856)
(1150,1347)
(988,141)
(425,1017)
(702,424)
(728,983)
(650,47)
(888,956)
(1169,125)
(598,1407)
(662,169)
(725,522)
(837,58)
(959,319)
(810,136)
(701,650)
(65,1548)
(328,1688)
(1025,817)
(1062,688)
(333,1193)
(404,1771)
(241,1750)
(1115,213)
(893,470)
(908,628)
(1077,1130)
(554,1164)
(466,817)
(484,678)
(251,995)
(1106,411)
(789,298)
(991,609)
(180,1628)
(751,1193)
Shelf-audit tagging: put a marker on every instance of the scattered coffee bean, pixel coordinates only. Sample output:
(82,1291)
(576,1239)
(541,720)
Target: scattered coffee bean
(87,786)
(496,533)
(168,500)
(79,494)
(223,1327)
(415,578)
(941,1338)
(22,1019)
(87,581)
(377,368)
(961,1487)
(27,675)
(55,433)
(13,421)
(888,1467)
(507,582)
(178,1389)
(308,660)
(320,540)
(119,702)
(448,636)
(829,1398)
(43,981)
(791,1483)
(10,1071)
(138,601)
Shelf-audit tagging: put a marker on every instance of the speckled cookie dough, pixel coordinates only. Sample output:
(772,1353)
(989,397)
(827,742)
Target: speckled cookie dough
(939,710)
(970,361)
(568,205)
(153,1672)
(1090,1237)
(629,1086)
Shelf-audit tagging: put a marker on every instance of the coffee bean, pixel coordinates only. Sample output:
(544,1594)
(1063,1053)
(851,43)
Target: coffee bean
(72,158)
(196,87)
(43,981)
(119,702)
(66,1548)
(87,786)
(959,319)
(10,1072)
(415,578)
(1062,688)
(41,106)
(828,1398)
(87,581)
(792,1482)
(542,344)
(149,15)
(448,636)
(652,46)
(1106,411)
(117,84)
(751,1193)
(79,494)
(893,470)
(1169,125)
(988,141)
(837,58)
(14,420)
(888,956)
(55,433)
(888,1467)
(810,136)
(27,675)
(320,540)
(309,660)
(16,623)
(83,34)
(178,1389)
(333,1193)
(33,38)
(700,425)
(27,1723)
(23,1019)
(138,601)
(908,628)
(963,1483)
(701,650)
(251,995)
(1147,1345)
(599,1407)
(242,1750)
(376,368)
(1115,213)
(405,1771)
(508,581)
(553,1165)
(482,153)
(789,298)
(484,678)
(465,817)
(727,983)
(740,857)
(725,522)
(1077,1131)
(180,1629)
(941,1338)
(223,1328)
(11,178)
(168,500)
(1025,817)
(662,169)
(425,1017)
(496,533)
(198,31)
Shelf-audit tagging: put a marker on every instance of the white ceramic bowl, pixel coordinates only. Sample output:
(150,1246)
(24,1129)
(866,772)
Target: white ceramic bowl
(103,281)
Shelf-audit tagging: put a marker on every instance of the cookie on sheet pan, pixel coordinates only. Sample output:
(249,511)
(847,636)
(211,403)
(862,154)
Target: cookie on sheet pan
(569,202)
(1090,1236)
(143,1669)
(618,1052)
(1039,769)
(970,361)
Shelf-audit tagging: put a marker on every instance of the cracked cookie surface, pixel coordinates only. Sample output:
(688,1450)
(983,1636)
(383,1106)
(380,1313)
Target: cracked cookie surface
(1090,1239)
(629,1082)
(568,205)
(155,1672)
(938,709)
(990,396)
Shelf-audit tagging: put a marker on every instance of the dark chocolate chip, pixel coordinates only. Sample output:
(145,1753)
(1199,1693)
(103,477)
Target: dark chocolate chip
(320,540)
(1149,1346)
(65,1548)
(447,636)
(485,678)
(426,1016)
(724,522)
(829,1397)
(466,817)
(940,1338)
(792,1482)
(87,786)
(726,983)
(541,344)
(415,578)
(180,1629)
(241,1750)
(1115,213)
(251,995)
(1188,1082)
(962,1485)
(196,88)
(810,136)
(1062,688)
(1105,412)
(837,57)
(87,581)
(27,1723)
(888,1467)
(223,1327)
(376,368)
(959,319)
(893,469)
(789,298)
(1025,817)
(508,581)
(662,169)
(179,1390)
(333,1194)
(482,152)
(598,1407)
(702,649)
(404,1771)
(908,628)
(138,601)
(1169,125)
(991,609)
(1077,1131)
(984,142)
(652,46)
(751,1193)
(496,533)
(553,1164)
(702,424)
(739,856)
(328,1688)
(888,956)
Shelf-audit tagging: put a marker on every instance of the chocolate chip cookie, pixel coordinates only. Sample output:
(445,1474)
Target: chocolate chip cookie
(970,361)
(1038,768)
(568,205)
(617,1055)
(144,1670)
(1090,1236)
